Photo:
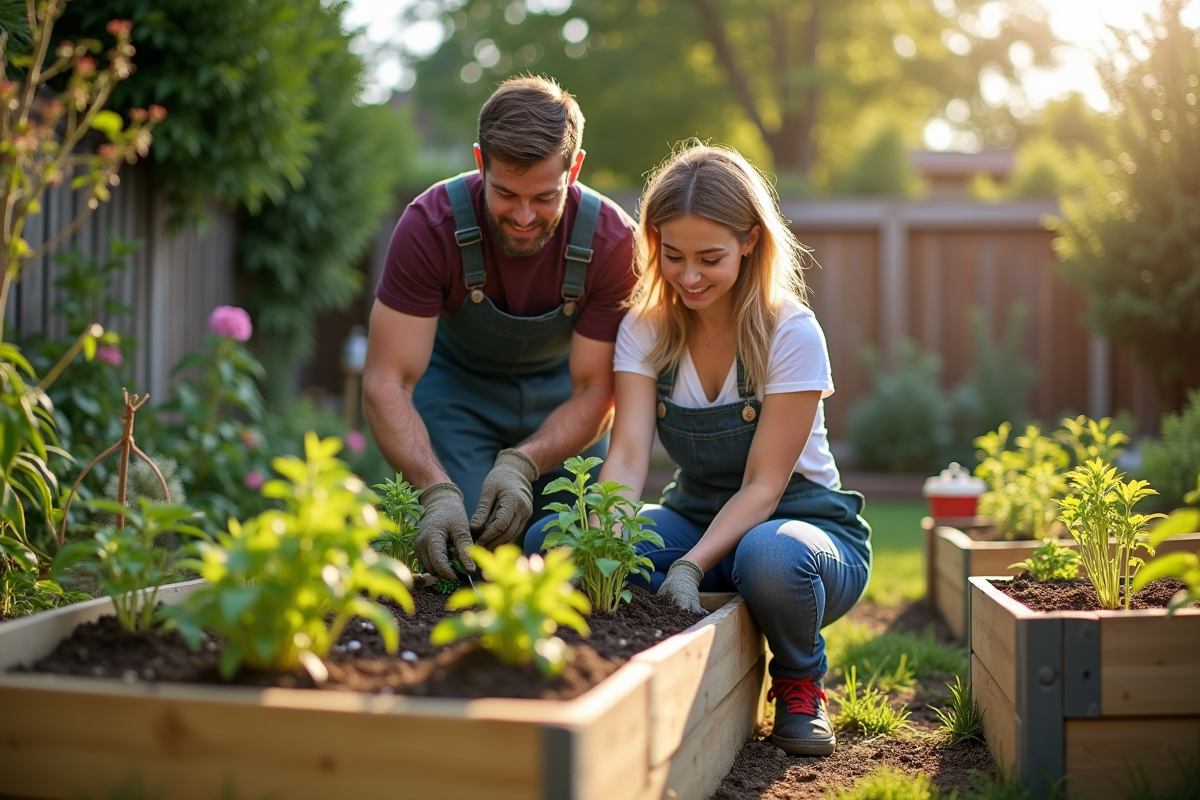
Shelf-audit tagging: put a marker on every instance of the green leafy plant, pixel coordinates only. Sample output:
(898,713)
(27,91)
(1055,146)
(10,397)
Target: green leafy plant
(1051,562)
(867,710)
(400,501)
(127,561)
(1087,439)
(1100,506)
(1183,567)
(605,552)
(283,585)
(1023,482)
(1172,462)
(902,426)
(522,603)
(960,722)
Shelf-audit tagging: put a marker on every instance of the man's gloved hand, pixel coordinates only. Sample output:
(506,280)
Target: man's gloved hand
(444,521)
(506,502)
(682,585)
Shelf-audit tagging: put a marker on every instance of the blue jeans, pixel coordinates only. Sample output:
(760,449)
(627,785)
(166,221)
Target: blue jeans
(796,579)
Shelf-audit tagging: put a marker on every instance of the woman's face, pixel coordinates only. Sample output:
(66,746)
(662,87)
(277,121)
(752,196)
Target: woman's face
(702,259)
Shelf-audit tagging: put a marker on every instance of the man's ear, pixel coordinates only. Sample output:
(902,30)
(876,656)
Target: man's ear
(575,167)
(478,158)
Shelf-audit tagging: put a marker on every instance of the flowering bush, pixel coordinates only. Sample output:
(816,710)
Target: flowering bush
(230,322)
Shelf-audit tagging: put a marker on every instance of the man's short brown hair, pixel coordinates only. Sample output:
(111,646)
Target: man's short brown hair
(528,120)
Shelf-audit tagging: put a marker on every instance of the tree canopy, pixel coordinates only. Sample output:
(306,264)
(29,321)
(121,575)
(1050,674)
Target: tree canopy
(783,80)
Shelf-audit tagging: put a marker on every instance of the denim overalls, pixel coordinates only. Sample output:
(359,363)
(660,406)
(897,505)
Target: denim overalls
(799,571)
(494,378)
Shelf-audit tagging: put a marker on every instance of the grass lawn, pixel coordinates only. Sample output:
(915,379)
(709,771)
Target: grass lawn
(898,573)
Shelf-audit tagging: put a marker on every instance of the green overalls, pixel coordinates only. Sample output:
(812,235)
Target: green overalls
(493,378)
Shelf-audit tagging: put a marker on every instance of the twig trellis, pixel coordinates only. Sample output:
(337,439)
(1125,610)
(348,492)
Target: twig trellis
(125,445)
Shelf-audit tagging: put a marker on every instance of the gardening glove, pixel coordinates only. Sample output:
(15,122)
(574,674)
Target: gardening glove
(506,502)
(682,585)
(444,521)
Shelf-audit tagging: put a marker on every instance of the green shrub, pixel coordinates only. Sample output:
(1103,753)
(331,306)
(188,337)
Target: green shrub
(281,586)
(605,555)
(1023,483)
(1172,463)
(1043,168)
(902,426)
(523,601)
(882,164)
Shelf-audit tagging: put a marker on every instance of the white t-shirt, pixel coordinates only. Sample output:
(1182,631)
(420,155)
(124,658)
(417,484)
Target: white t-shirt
(798,362)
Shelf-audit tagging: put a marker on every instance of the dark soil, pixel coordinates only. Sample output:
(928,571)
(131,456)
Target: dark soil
(764,772)
(359,661)
(1080,595)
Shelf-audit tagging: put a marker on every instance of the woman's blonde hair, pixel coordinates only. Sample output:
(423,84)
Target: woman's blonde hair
(718,184)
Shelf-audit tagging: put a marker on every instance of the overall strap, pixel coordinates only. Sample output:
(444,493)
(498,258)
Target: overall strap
(744,392)
(666,380)
(579,249)
(468,235)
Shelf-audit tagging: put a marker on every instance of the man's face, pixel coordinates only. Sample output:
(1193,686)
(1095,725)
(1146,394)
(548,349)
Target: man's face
(524,209)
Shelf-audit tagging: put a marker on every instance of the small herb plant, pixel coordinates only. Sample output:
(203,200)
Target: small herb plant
(400,501)
(1051,562)
(522,603)
(960,722)
(1088,439)
(1100,506)
(129,565)
(606,552)
(282,585)
(1183,567)
(867,710)
(1023,483)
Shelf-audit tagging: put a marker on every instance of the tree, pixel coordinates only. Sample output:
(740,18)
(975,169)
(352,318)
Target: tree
(780,79)
(1131,240)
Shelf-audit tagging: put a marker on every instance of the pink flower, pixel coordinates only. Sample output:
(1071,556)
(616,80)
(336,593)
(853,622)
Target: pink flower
(231,322)
(356,442)
(109,355)
(254,480)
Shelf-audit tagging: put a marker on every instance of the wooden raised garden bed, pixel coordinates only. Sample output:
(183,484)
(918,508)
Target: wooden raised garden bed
(668,723)
(952,558)
(1093,696)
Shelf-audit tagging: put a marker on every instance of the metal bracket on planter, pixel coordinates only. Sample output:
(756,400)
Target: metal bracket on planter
(559,746)
(1039,701)
(1081,667)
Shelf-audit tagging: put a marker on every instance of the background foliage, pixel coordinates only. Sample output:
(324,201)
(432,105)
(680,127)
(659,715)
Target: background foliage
(1131,240)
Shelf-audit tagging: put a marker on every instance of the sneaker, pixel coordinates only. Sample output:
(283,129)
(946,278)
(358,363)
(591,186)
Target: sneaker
(802,725)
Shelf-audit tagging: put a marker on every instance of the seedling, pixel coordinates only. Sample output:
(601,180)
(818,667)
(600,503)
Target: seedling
(128,564)
(400,501)
(1023,483)
(960,722)
(1051,562)
(605,551)
(1099,507)
(282,585)
(521,606)
(867,710)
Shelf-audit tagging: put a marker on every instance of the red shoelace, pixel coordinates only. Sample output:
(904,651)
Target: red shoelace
(799,696)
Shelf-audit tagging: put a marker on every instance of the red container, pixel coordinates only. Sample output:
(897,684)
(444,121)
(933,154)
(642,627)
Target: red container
(953,493)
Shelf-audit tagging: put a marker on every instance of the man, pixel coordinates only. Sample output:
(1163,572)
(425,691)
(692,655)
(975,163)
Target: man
(490,350)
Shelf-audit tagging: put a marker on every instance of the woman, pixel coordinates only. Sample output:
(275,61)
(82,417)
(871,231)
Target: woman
(722,354)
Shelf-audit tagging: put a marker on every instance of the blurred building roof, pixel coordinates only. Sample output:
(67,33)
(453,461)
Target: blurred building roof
(951,174)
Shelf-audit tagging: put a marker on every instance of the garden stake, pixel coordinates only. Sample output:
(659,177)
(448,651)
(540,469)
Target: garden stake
(125,444)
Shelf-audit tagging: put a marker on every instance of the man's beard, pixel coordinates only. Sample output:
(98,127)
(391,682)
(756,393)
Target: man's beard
(514,248)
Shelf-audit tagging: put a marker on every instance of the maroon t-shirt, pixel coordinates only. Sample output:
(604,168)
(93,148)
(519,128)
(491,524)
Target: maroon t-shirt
(423,274)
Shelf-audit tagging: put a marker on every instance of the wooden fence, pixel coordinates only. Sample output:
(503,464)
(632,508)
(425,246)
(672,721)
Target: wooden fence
(172,284)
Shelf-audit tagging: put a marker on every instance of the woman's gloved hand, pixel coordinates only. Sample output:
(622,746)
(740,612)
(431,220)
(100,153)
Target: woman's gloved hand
(444,521)
(506,501)
(682,585)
